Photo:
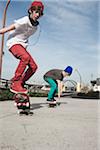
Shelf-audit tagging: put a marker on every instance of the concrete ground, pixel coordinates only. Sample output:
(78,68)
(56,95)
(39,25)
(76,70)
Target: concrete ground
(74,125)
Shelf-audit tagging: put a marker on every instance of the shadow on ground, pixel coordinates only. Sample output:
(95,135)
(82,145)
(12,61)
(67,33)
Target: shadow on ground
(40,105)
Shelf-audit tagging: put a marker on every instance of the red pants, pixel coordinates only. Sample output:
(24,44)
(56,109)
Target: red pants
(25,60)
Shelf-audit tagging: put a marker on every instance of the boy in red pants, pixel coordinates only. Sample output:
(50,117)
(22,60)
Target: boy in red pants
(17,43)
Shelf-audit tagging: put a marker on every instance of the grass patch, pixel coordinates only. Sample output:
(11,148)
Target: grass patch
(5,94)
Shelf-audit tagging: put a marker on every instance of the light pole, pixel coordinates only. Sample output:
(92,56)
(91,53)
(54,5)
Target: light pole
(2,39)
(79,77)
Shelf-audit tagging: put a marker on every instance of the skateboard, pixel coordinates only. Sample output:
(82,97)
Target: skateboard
(22,103)
(54,104)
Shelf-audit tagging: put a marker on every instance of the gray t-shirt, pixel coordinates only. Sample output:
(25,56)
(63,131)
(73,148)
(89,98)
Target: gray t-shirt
(55,74)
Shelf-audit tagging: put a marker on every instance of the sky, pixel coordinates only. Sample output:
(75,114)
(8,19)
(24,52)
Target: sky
(68,35)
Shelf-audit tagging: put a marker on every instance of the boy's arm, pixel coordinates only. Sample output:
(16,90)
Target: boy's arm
(6,29)
(60,87)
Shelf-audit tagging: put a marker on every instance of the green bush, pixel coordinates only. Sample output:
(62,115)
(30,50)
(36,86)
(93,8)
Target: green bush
(89,95)
(5,94)
(31,94)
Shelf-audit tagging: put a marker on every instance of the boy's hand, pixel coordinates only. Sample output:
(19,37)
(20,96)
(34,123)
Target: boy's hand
(60,85)
(2,31)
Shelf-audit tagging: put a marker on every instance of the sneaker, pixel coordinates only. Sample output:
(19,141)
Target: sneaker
(14,90)
(54,99)
(51,101)
(13,80)
(16,87)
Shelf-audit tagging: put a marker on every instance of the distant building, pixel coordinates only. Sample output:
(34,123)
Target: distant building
(4,84)
(96,84)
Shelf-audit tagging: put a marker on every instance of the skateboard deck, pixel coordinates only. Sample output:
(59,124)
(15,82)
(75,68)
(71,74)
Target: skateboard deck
(22,103)
(53,104)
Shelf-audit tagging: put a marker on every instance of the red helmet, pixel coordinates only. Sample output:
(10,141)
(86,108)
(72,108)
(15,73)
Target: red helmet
(37,4)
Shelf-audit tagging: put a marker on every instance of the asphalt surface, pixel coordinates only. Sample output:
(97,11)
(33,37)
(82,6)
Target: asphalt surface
(74,125)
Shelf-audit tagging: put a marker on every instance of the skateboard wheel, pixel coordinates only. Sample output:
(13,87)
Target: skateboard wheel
(27,104)
(19,104)
(24,104)
(31,113)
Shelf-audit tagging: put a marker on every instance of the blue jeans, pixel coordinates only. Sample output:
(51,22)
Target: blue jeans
(53,87)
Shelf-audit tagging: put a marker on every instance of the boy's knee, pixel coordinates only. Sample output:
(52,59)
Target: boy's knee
(34,67)
(26,59)
(54,86)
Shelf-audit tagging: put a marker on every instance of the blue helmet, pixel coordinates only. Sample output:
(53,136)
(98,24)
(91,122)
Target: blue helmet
(68,70)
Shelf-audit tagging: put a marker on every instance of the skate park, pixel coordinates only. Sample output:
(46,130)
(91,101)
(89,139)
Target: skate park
(72,125)
(67,38)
